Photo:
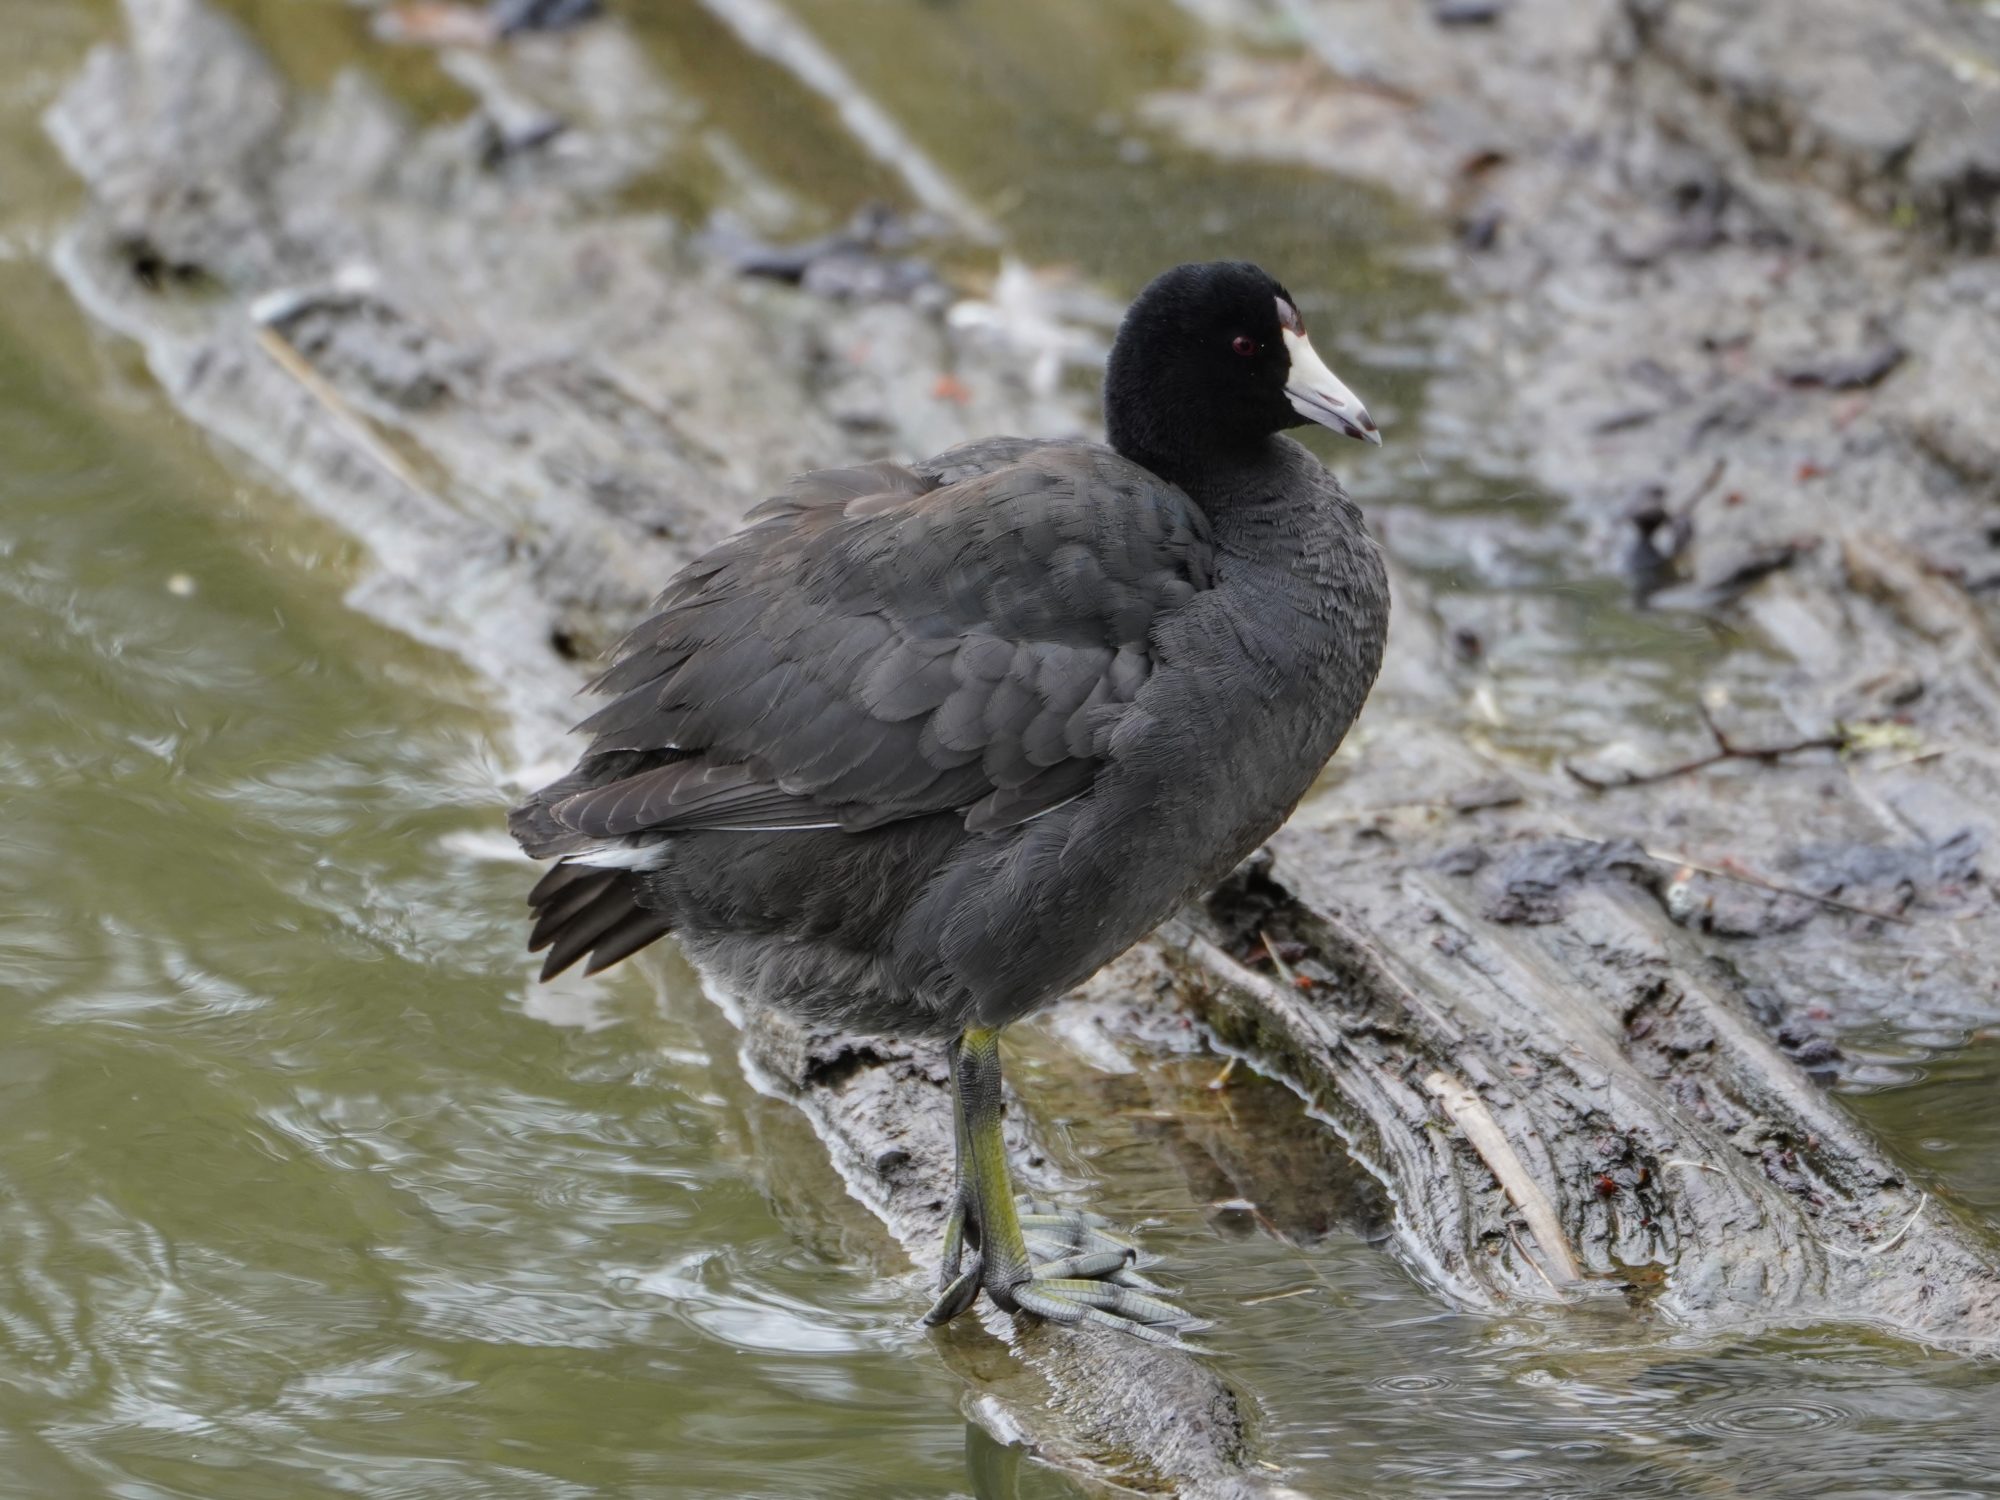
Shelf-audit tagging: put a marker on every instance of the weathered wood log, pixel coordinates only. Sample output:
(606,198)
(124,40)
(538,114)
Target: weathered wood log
(1691,1166)
(532,408)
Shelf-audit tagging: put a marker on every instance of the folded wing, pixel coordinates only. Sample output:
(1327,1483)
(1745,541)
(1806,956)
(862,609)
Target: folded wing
(885,643)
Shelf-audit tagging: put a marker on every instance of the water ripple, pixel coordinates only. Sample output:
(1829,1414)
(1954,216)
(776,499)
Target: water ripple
(1750,1416)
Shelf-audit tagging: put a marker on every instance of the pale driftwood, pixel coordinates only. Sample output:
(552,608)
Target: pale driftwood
(1469,1113)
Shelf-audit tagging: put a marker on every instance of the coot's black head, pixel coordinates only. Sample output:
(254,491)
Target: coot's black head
(1212,359)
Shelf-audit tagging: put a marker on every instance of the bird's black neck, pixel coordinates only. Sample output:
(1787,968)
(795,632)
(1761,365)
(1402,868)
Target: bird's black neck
(1215,476)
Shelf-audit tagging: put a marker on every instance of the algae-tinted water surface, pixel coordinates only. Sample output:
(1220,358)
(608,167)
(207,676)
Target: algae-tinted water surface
(306,1190)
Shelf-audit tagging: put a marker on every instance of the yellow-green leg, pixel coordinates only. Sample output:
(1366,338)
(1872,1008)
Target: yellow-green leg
(1059,1266)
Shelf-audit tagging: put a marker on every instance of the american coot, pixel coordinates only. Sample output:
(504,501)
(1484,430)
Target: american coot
(922,747)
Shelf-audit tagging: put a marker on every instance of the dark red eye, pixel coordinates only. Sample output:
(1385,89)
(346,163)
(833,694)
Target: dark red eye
(1244,345)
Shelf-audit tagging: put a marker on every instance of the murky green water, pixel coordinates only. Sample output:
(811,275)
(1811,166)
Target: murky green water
(305,1190)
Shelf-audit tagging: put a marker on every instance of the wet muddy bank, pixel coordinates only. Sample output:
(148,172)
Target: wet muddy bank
(532,399)
(1751,386)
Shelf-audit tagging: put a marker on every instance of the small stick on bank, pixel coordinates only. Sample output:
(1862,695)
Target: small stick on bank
(1470,1114)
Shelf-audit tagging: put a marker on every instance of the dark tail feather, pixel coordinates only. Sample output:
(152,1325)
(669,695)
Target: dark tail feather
(634,931)
(583,909)
(560,896)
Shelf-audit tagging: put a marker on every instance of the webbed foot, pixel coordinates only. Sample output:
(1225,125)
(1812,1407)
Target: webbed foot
(1076,1272)
(1059,1264)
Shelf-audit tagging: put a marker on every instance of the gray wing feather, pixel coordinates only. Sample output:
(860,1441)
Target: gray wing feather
(884,643)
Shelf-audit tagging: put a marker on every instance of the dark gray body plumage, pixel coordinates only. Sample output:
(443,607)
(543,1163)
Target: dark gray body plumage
(921,748)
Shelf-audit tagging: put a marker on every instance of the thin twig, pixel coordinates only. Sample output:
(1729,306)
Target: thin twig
(1923,1202)
(1725,749)
(1668,857)
(1535,1265)
(1885,1246)
(1230,974)
(1777,888)
(316,385)
(1284,969)
(1221,1080)
(1299,1291)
